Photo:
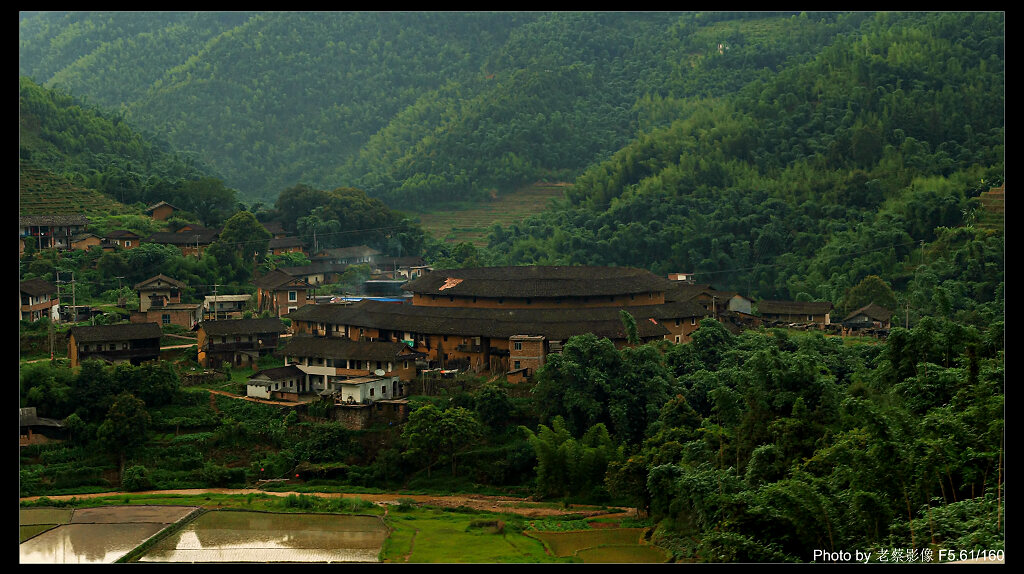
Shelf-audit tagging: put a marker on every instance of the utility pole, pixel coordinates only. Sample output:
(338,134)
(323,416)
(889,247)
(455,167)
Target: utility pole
(215,301)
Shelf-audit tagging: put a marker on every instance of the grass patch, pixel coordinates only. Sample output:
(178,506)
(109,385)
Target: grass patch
(28,531)
(623,553)
(432,536)
(569,543)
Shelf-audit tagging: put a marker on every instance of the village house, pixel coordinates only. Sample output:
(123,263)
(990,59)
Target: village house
(51,231)
(282,245)
(349,255)
(126,342)
(282,383)
(225,306)
(316,274)
(816,312)
(191,240)
(870,316)
(158,291)
(85,241)
(238,342)
(161,211)
(39,300)
(281,293)
(35,429)
(329,363)
(407,268)
(160,302)
(184,314)
(123,239)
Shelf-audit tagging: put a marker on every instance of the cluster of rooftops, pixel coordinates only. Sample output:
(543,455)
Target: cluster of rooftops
(494,319)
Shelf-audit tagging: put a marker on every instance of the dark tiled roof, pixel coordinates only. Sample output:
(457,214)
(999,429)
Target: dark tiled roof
(60,220)
(120,332)
(555,324)
(313,268)
(357,251)
(118,233)
(276,279)
(246,326)
(872,311)
(280,373)
(38,287)
(794,307)
(538,281)
(308,346)
(279,242)
(680,291)
(204,237)
(158,204)
(160,277)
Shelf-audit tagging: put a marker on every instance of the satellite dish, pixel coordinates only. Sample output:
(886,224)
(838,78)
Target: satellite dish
(379,372)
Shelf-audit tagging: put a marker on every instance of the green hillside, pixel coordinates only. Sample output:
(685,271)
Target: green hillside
(376,100)
(43,193)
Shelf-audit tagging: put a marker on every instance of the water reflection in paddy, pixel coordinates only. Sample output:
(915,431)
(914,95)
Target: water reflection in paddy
(235,536)
(86,543)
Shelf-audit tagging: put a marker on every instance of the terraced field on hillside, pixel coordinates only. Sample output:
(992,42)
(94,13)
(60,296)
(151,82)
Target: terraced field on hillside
(470,224)
(44,193)
(993,205)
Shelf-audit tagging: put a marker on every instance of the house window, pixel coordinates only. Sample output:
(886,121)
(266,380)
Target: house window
(127,243)
(693,320)
(113,346)
(371,391)
(292,296)
(810,317)
(518,345)
(383,390)
(516,365)
(677,338)
(124,346)
(165,318)
(677,322)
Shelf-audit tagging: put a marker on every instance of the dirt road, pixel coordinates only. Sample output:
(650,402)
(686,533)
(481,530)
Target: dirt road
(509,504)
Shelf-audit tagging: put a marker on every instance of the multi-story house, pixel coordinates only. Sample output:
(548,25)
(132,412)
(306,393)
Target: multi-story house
(239,342)
(225,306)
(131,342)
(39,300)
(281,293)
(52,231)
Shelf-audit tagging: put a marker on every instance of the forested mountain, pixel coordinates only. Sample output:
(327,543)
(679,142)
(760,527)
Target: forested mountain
(412,107)
(784,155)
(804,182)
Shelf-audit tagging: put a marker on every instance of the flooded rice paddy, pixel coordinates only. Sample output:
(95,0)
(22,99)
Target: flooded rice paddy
(91,535)
(240,536)
(106,534)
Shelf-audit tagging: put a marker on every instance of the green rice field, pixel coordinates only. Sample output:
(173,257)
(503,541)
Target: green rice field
(470,223)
